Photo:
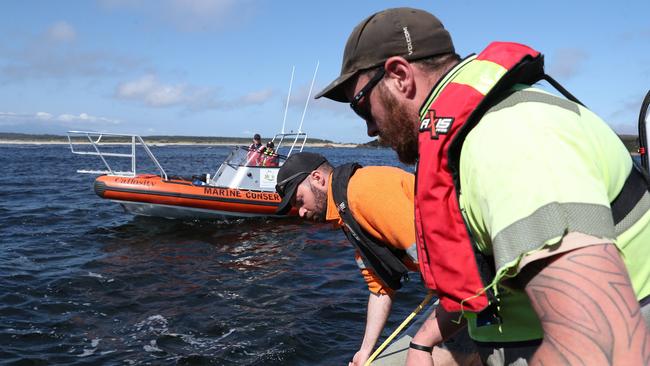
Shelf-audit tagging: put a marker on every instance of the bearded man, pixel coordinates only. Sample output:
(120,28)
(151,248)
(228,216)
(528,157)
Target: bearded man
(532,220)
(374,207)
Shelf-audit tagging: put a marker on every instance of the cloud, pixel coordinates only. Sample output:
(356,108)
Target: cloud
(188,15)
(336,108)
(256,97)
(625,118)
(84,117)
(299,97)
(151,92)
(53,55)
(43,116)
(61,32)
(634,35)
(193,15)
(66,118)
(59,64)
(566,62)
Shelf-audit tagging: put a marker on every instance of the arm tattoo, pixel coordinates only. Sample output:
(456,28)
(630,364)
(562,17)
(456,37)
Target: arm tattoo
(588,310)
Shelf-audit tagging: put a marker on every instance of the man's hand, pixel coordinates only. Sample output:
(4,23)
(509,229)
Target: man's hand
(588,310)
(378,310)
(360,358)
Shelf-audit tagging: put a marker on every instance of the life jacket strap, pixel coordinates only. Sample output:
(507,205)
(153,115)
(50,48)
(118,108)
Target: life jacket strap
(635,186)
(385,262)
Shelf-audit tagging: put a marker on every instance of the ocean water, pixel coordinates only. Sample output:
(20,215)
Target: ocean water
(84,283)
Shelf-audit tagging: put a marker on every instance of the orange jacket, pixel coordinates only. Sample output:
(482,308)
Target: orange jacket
(381,199)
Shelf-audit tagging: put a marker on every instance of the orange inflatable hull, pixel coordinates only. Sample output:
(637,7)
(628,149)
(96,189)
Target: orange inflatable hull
(153,189)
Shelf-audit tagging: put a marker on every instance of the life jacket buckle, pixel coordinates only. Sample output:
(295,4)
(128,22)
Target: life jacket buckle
(489,316)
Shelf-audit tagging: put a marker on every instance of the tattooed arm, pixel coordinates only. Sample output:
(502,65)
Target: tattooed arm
(588,310)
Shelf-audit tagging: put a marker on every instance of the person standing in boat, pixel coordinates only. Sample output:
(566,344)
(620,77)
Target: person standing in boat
(255,150)
(381,229)
(535,219)
(257,143)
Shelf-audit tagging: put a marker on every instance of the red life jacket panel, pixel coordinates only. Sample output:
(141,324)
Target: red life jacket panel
(446,253)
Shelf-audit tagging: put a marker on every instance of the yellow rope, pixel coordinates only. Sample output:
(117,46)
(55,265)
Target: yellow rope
(399,329)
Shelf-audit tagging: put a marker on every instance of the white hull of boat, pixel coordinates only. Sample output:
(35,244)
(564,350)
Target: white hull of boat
(180,212)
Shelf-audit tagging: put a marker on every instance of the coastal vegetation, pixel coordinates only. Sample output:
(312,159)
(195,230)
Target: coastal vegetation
(631,141)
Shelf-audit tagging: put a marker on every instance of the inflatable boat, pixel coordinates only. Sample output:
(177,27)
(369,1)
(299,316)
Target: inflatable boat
(149,194)
(243,185)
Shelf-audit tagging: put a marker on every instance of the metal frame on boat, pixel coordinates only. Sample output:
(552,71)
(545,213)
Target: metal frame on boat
(95,138)
(242,186)
(643,136)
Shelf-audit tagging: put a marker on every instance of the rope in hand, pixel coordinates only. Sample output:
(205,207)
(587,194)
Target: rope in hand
(399,329)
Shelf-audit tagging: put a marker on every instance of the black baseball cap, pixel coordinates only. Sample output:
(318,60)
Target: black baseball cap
(292,173)
(257,136)
(407,32)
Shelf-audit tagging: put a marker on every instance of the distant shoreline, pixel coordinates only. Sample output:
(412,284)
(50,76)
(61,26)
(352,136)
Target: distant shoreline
(179,143)
(630,141)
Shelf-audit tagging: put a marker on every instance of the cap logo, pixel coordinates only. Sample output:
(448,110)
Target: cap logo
(407,36)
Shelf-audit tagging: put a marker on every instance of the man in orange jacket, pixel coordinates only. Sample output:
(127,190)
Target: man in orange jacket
(381,229)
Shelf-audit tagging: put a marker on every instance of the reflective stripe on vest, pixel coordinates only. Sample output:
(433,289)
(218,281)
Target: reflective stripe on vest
(633,201)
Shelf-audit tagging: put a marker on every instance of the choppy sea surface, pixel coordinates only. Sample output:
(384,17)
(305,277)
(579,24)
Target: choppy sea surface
(84,283)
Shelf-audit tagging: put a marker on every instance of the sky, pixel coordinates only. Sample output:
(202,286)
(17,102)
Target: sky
(222,67)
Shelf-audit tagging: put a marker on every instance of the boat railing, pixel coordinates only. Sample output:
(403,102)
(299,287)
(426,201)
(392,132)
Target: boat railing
(94,139)
(244,160)
(242,156)
(296,140)
(644,120)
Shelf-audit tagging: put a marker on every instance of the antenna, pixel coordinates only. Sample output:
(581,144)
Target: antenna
(286,107)
(308,97)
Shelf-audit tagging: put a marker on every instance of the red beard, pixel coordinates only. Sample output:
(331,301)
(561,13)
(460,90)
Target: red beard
(400,130)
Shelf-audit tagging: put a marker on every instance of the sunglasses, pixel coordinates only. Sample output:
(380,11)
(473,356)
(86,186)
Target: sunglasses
(362,112)
(281,186)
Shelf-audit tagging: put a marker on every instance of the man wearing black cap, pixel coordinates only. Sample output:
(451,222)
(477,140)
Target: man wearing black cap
(374,205)
(257,142)
(536,250)
(255,151)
